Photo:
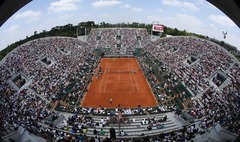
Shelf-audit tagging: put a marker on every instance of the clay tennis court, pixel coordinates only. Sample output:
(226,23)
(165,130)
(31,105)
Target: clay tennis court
(123,81)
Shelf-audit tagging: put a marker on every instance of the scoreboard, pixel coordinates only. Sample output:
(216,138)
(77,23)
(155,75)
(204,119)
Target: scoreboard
(158,28)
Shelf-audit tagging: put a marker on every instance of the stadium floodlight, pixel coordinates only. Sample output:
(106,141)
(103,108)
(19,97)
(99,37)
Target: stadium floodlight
(224,34)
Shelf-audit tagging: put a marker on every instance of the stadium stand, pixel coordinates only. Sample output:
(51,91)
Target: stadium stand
(55,71)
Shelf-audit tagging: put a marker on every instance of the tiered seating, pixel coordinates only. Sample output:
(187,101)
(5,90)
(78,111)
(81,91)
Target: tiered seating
(107,38)
(55,66)
(136,129)
(208,94)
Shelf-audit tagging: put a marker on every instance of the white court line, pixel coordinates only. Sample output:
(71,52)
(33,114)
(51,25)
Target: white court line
(104,74)
(107,78)
(118,75)
(135,78)
(131,79)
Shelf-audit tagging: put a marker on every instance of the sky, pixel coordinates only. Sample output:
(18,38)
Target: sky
(197,16)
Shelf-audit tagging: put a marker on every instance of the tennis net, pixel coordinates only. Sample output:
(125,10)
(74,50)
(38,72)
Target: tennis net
(121,71)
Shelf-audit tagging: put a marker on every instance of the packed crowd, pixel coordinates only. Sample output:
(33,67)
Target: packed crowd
(220,107)
(118,40)
(64,70)
(46,81)
(19,109)
(212,104)
(129,37)
(185,134)
(77,123)
(210,58)
(75,128)
(111,112)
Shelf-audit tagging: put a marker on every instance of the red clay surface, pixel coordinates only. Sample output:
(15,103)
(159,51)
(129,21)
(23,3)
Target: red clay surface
(126,85)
